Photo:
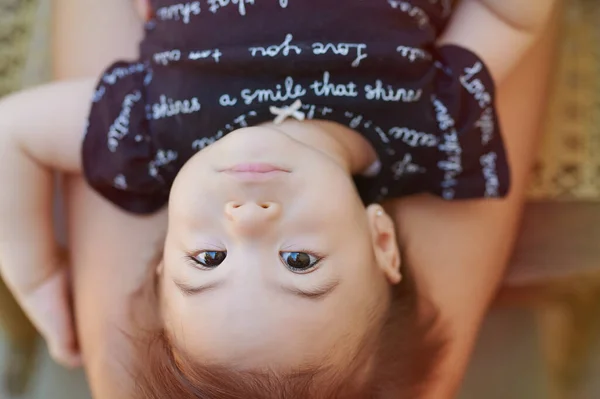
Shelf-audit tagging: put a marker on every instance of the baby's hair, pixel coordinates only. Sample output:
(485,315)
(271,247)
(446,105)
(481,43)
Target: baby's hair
(408,346)
(170,375)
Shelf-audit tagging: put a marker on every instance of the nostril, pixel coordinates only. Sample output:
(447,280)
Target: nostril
(237,205)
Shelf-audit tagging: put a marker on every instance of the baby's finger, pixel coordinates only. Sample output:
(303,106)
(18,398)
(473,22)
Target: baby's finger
(65,357)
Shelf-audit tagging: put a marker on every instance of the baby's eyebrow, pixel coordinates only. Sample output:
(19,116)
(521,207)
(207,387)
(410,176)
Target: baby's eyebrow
(316,293)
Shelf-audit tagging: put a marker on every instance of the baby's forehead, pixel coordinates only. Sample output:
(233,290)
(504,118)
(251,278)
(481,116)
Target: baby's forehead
(283,346)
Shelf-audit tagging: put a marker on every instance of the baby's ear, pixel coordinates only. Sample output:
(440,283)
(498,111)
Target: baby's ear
(385,246)
(160,267)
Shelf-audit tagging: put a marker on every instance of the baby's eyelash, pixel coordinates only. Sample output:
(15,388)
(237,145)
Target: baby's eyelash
(196,252)
(189,258)
(306,251)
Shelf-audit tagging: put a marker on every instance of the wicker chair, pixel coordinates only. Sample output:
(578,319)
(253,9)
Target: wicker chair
(16,22)
(556,265)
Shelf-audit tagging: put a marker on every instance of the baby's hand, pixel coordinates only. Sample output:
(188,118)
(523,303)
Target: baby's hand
(144,10)
(49,308)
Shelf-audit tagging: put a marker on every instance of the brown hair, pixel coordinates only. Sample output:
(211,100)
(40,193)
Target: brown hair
(408,348)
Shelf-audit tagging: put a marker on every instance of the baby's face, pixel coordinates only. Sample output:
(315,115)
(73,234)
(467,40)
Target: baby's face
(271,260)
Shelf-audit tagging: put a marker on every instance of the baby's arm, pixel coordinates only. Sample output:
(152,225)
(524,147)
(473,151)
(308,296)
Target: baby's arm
(498,31)
(40,132)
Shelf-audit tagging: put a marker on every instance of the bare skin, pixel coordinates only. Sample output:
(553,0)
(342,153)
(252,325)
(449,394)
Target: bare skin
(486,221)
(473,257)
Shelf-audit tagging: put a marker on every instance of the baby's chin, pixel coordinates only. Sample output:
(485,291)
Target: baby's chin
(279,145)
(253,142)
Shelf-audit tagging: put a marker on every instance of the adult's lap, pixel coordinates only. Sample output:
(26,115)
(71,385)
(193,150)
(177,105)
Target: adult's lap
(111,254)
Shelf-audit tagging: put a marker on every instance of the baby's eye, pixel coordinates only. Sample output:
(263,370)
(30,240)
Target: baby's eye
(299,262)
(210,259)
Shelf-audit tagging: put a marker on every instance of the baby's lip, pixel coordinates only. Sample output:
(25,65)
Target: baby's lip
(255,172)
(255,168)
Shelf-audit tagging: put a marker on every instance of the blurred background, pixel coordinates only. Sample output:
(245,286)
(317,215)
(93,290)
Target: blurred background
(542,337)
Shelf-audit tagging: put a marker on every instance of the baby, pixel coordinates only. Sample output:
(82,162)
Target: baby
(274,129)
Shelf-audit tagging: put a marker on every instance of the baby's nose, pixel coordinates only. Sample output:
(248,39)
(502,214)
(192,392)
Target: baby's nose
(252,217)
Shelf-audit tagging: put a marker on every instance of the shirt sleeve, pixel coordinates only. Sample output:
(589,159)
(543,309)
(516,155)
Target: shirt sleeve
(117,150)
(472,161)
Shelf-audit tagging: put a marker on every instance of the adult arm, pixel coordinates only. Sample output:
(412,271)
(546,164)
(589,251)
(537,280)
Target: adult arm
(110,250)
(88,35)
(459,250)
(505,30)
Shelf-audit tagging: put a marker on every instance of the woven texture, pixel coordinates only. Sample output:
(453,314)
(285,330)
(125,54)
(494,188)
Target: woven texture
(568,166)
(17,18)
